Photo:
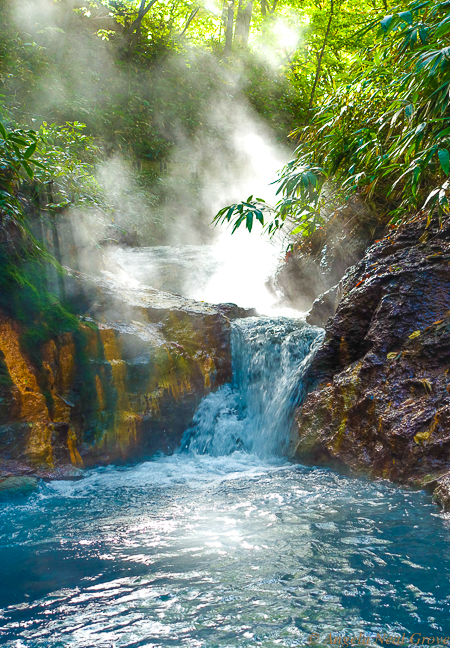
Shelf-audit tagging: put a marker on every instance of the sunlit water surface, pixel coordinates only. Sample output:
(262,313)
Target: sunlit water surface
(220,551)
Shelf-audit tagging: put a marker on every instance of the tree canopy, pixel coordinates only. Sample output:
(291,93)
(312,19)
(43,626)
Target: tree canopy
(361,88)
(383,135)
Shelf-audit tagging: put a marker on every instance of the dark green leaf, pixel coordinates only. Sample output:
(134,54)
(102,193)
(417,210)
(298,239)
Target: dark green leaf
(30,150)
(406,16)
(444,159)
(39,164)
(28,169)
(386,22)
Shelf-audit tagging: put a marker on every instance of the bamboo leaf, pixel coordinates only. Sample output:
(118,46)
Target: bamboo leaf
(444,159)
(406,16)
(386,23)
(30,150)
(28,169)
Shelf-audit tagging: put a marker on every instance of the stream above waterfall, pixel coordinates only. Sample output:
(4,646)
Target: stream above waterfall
(235,269)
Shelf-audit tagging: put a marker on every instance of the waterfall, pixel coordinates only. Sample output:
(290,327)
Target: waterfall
(254,412)
(269,354)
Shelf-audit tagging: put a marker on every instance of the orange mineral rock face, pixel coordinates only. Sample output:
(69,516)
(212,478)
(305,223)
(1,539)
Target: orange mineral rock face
(39,449)
(58,363)
(31,405)
(111,390)
(123,432)
(32,402)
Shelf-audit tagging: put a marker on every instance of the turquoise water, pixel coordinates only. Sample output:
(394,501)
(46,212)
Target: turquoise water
(225,543)
(220,551)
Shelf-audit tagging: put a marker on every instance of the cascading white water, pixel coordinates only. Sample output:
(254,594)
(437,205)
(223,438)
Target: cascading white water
(269,354)
(253,413)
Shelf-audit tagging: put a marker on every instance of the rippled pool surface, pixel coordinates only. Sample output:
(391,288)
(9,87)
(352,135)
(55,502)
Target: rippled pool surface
(218,552)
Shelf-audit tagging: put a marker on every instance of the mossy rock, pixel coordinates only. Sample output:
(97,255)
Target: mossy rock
(17,486)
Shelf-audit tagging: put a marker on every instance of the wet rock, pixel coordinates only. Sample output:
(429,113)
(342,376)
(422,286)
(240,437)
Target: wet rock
(300,281)
(319,261)
(122,387)
(380,400)
(17,486)
(441,494)
(324,307)
(232,311)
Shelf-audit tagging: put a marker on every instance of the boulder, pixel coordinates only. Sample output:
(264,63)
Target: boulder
(122,387)
(17,485)
(324,306)
(379,385)
(441,494)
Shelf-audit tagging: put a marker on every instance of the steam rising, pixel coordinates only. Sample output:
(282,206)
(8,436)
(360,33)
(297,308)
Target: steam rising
(229,155)
(237,158)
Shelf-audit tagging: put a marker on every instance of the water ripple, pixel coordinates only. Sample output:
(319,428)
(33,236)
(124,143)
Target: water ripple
(227,551)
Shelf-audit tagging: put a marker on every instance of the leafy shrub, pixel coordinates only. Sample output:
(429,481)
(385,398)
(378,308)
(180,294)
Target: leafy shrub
(385,135)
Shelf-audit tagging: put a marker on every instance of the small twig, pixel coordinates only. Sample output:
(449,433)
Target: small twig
(64,400)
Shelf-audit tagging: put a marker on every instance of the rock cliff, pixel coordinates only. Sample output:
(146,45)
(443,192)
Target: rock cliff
(318,262)
(379,398)
(124,385)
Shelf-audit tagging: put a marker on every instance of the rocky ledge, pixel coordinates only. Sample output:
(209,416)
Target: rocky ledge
(124,385)
(379,400)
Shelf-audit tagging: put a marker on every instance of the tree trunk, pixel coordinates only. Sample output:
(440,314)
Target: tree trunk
(319,60)
(133,32)
(192,15)
(243,20)
(229,27)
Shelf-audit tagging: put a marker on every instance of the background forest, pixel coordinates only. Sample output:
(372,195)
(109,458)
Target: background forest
(134,112)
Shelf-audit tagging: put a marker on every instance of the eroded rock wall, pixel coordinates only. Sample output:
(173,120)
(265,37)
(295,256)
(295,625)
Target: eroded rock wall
(380,383)
(124,386)
(319,261)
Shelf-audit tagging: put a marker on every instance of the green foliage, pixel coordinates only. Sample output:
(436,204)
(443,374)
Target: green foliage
(24,296)
(17,148)
(143,82)
(385,135)
(32,161)
(37,157)
(300,190)
(68,157)
(75,66)
(245,212)
(272,94)
(62,167)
